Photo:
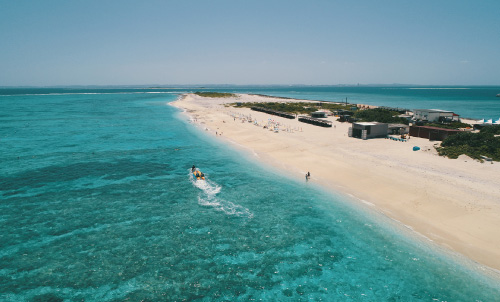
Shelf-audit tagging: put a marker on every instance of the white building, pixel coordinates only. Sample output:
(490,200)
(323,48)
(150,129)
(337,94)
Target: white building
(434,115)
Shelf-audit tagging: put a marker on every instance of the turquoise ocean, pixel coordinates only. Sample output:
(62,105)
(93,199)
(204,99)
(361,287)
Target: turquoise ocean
(97,203)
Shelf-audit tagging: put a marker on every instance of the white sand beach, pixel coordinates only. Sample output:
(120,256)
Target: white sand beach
(454,202)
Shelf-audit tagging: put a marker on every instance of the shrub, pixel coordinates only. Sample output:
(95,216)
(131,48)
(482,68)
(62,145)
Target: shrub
(209,94)
(380,115)
(493,129)
(453,125)
(474,145)
(291,107)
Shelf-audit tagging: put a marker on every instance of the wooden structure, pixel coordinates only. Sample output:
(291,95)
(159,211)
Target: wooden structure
(432,133)
(314,121)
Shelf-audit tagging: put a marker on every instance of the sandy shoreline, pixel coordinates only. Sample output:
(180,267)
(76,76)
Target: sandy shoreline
(455,203)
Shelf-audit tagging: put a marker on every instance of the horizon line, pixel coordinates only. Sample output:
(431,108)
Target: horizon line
(201,86)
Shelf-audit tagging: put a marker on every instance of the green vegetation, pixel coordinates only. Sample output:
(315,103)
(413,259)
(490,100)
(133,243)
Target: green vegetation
(494,130)
(379,115)
(453,125)
(300,108)
(209,94)
(296,107)
(336,106)
(485,143)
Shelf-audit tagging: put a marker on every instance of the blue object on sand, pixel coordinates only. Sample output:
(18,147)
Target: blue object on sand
(416,148)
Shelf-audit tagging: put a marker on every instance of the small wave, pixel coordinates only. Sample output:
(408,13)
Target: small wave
(90,93)
(440,88)
(225,206)
(367,203)
(159,92)
(208,197)
(54,93)
(211,189)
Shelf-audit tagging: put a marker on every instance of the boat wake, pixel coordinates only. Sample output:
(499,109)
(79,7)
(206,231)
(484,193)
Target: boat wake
(208,197)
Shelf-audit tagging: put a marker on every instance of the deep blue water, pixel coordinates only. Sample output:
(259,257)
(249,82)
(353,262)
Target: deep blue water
(97,204)
(469,102)
(476,102)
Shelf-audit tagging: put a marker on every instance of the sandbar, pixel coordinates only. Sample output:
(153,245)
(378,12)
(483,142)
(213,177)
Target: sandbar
(453,202)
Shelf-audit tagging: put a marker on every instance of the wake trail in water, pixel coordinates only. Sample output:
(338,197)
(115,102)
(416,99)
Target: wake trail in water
(208,197)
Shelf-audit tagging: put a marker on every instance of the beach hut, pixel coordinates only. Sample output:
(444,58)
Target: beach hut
(398,129)
(318,114)
(342,112)
(432,133)
(366,130)
(314,121)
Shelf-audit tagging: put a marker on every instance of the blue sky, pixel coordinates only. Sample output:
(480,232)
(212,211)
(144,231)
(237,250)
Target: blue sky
(52,42)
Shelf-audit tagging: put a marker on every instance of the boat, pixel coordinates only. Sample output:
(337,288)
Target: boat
(198,175)
(498,95)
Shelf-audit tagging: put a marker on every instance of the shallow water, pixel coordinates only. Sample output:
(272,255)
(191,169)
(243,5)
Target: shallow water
(98,204)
